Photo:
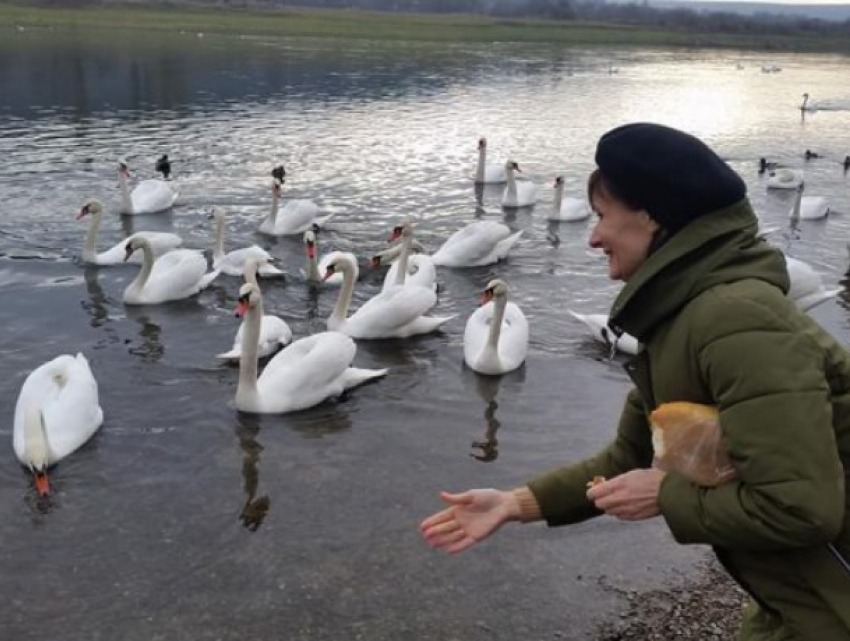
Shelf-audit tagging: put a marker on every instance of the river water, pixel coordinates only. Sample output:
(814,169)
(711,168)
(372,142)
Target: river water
(184,519)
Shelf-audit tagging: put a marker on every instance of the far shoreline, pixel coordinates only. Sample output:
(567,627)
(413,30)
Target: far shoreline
(358,24)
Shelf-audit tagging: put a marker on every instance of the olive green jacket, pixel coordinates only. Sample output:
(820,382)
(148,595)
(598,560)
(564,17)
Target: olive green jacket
(710,310)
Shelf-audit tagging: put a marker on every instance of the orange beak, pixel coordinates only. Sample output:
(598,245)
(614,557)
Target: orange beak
(42,486)
(82,213)
(328,274)
(486,297)
(311,251)
(241,309)
(395,235)
(375,262)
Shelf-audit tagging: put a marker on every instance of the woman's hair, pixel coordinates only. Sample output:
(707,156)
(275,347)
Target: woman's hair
(599,185)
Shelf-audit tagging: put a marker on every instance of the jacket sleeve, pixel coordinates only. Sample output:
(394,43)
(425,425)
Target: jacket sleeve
(561,493)
(768,378)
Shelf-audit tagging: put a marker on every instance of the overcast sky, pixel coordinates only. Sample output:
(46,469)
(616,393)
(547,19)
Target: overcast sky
(801,2)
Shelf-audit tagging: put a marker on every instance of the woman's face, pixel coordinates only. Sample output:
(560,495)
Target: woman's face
(622,233)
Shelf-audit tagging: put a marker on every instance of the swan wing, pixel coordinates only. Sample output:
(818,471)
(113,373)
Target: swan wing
(476,332)
(421,272)
(66,393)
(151,196)
(495,174)
(296,217)
(307,372)
(470,244)
(387,314)
(161,243)
(513,339)
(178,274)
(274,333)
(598,326)
(812,207)
(572,209)
(233,262)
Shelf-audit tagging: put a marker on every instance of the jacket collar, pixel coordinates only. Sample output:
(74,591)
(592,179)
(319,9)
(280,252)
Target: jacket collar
(719,247)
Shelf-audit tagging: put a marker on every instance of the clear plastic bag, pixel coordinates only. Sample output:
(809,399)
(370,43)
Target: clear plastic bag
(687,439)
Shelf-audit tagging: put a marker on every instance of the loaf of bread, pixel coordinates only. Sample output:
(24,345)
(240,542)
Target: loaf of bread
(687,439)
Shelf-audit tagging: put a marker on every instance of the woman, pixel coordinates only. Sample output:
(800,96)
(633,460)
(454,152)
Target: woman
(706,298)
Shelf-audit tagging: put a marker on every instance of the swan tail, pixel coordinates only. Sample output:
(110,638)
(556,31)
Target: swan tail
(355,376)
(270,271)
(321,221)
(811,301)
(232,355)
(207,279)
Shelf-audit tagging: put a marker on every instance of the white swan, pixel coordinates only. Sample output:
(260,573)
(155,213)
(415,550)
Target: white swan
(518,193)
(805,106)
(495,340)
(395,313)
(274,331)
(161,242)
(148,197)
(304,374)
(415,270)
(488,174)
(809,207)
(567,209)
(296,217)
(233,262)
(807,289)
(316,267)
(178,274)
(599,329)
(57,411)
(482,242)
(784,178)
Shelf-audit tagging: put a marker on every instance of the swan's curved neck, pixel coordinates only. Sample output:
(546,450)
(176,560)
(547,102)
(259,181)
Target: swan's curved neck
(511,182)
(559,197)
(313,264)
(126,201)
(249,273)
(147,267)
(275,205)
(406,244)
(218,248)
(482,163)
(90,248)
(36,446)
(246,391)
(343,302)
(499,305)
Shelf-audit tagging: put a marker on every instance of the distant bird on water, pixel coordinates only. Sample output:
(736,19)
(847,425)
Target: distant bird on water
(163,166)
(764,165)
(811,154)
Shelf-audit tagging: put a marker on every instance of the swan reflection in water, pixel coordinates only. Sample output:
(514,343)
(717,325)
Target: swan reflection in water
(487,387)
(96,303)
(151,348)
(256,508)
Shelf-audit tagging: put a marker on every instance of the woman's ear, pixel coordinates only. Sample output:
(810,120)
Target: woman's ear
(650,222)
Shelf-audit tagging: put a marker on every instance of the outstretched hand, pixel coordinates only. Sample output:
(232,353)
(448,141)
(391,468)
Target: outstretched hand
(472,516)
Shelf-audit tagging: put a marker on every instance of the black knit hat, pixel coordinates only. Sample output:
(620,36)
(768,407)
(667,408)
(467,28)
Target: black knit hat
(674,176)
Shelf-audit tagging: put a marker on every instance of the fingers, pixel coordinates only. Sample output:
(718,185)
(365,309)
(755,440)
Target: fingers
(447,540)
(461,545)
(464,498)
(436,519)
(440,529)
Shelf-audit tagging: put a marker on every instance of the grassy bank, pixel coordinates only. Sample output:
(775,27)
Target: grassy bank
(388,26)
